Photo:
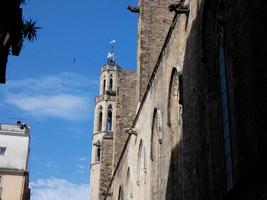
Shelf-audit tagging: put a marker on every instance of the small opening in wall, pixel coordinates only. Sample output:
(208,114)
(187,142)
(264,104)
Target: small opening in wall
(2,151)
(109,119)
(110,84)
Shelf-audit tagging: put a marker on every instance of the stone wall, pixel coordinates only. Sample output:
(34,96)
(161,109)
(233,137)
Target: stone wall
(105,167)
(154,22)
(192,164)
(125,110)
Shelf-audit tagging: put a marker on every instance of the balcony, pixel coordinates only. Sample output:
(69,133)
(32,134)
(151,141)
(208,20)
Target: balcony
(105,97)
(109,67)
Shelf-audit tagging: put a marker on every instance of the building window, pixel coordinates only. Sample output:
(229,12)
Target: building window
(110,86)
(100,118)
(129,192)
(98,154)
(141,164)
(2,151)
(175,100)
(227,137)
(156,139)
(155,155)
(104,86)
(98,151)
(109,118)
(175,109)
(120,195)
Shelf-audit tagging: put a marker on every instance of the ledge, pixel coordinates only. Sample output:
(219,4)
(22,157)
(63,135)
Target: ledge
(105,98)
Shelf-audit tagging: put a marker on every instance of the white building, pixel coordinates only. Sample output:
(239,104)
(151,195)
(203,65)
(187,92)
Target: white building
(14,153)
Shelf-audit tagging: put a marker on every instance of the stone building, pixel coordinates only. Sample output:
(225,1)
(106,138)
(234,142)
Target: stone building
(14,154)
(114,112)
(197,128)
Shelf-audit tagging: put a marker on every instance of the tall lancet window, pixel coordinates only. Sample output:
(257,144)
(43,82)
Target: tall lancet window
(109,118)
(98,151)
(227,136)
(110,86)
(100,118)
(104,86)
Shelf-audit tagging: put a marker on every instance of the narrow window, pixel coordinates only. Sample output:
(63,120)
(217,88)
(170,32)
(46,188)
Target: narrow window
(120,195)
(98,151)
(98,154)
(155,156)
(110,84)
(104,86)
(181,98)
(109,119)
(128,192)
(175,100)
(141,164)
(2,151)
(227,138)
(100,119)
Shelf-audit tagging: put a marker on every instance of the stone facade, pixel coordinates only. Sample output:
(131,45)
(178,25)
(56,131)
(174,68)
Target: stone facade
(198,131)
(114,111)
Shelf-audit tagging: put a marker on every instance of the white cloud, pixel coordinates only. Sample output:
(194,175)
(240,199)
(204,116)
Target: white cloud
(58,189)
(64,106)
(65,96)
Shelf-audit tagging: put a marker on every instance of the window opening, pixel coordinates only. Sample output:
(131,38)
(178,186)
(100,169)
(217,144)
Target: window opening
(228,156)
(100,119)
(2,151)
(104,86)
(110,84)
(98,153)
(109,119)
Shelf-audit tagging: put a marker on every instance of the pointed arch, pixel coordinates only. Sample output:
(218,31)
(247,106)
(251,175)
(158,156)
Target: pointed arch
(175,99)
(155,155)
(141,164)
(100,118)
(109,118)
(129,189)
(97,151)
(175,107)
(110,85)
(104,85)
(120,195)
(156,132)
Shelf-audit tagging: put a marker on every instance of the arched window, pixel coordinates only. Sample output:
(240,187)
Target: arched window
(155,155)
(109,118)
(104,86)
(120,195)
(110,85)
(175,100)
(175,106)
(100,118)
(98,151)
(141,164)
(156,135)
(128,192)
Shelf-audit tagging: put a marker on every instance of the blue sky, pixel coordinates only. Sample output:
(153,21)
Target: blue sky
(55,96)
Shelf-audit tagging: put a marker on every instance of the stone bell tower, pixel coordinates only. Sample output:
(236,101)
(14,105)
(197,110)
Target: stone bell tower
(104,117)
(114,112)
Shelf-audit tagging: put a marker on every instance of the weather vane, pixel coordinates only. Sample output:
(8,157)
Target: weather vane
(111,55)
